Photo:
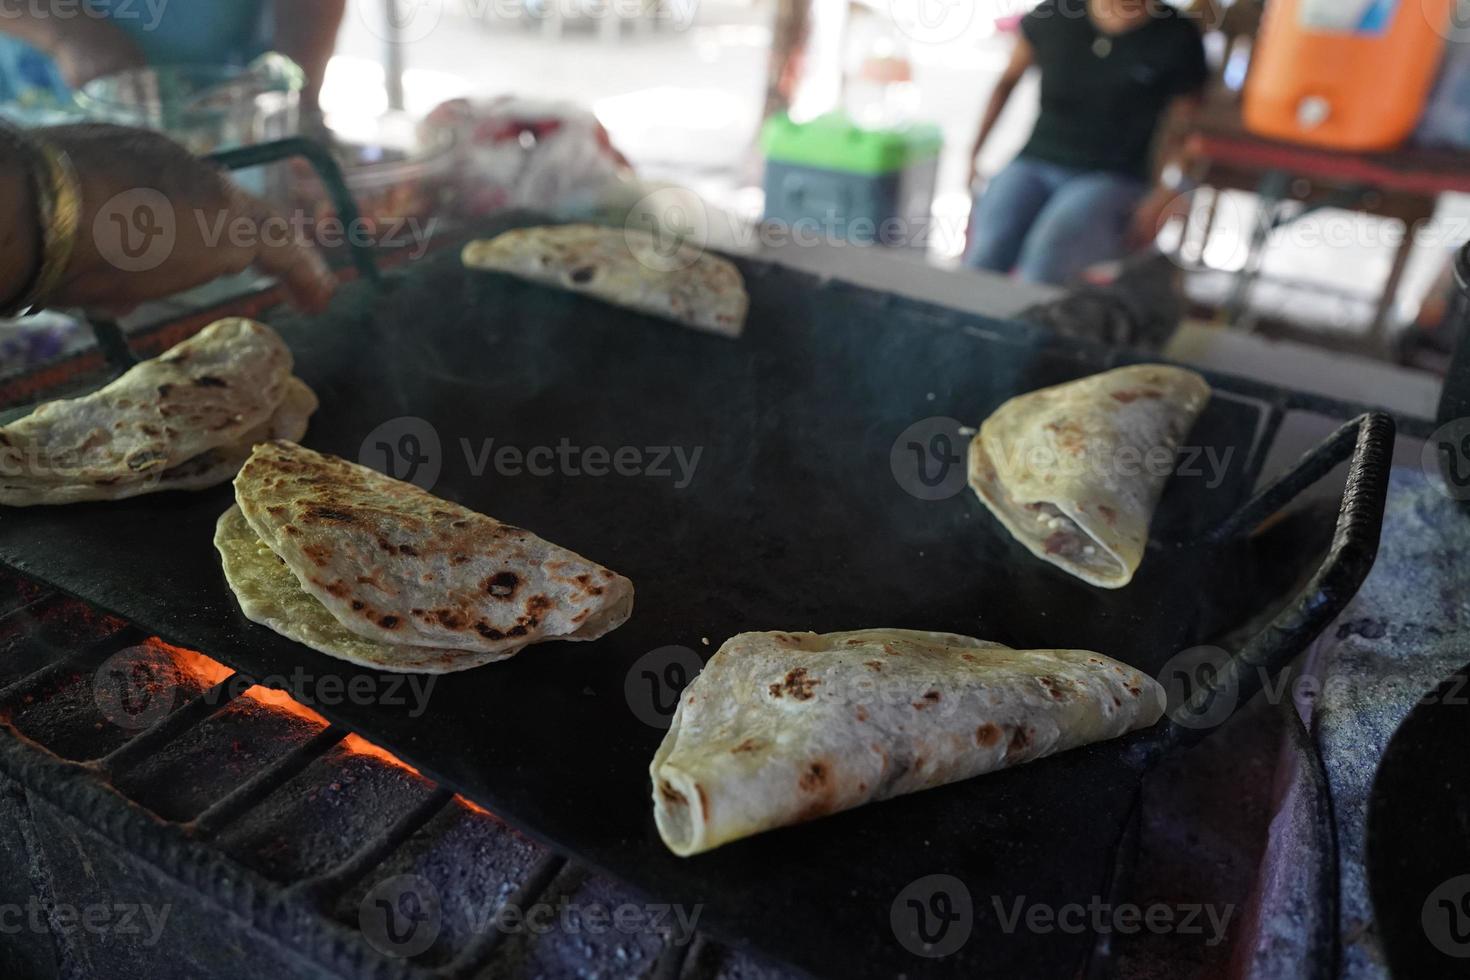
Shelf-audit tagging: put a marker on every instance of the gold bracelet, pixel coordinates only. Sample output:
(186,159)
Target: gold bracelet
(58,213)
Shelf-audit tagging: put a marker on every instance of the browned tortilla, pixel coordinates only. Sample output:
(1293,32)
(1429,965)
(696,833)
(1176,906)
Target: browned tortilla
(398,565)
(1074,472)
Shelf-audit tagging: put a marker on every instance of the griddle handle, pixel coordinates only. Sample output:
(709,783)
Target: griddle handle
(1336,581)
(331,177)
(113,344)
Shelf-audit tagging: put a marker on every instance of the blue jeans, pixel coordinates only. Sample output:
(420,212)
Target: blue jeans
(1049,222)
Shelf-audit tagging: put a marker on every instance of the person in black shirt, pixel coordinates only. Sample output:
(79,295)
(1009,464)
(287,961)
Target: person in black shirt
(1078,193)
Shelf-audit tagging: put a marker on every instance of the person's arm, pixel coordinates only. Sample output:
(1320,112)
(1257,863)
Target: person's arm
(1167,197)
(1021,59)
(132,245)
(307,34)
(83,47)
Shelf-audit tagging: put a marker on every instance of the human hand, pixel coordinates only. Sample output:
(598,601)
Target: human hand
(91,47)
(156,221)
(1153,212)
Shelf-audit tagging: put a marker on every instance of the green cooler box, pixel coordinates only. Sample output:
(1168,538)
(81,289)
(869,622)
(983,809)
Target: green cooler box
(832,179)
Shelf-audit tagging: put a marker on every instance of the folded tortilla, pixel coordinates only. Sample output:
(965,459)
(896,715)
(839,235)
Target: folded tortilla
(679,282)
(208,469)
(780,728)
(183,420)
(411,581)
(270,595)
(1075,472)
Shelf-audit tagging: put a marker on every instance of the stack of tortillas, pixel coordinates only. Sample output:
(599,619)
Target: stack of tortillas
(383,574)
(185,420)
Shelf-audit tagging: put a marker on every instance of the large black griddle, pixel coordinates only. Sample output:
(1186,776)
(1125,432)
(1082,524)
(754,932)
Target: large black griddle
(793,521)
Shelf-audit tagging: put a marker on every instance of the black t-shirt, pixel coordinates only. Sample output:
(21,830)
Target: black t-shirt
(1102,95)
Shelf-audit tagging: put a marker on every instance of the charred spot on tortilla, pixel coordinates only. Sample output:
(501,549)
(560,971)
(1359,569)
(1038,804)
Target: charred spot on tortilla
(987,734)
(796,683)
(928,700)
(815,777)
(328,514)
(1053,688)
(503,585)
(1129,397)
(582,275)
(1020,739)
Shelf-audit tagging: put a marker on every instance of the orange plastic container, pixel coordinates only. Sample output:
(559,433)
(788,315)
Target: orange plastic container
(1348,74)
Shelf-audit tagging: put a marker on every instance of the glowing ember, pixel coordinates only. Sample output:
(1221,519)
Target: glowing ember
(210,672)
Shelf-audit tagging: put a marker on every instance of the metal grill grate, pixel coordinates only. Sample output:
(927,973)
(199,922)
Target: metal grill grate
(250,808)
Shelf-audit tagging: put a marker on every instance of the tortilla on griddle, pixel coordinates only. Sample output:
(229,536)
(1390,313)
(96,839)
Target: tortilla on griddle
(625,267)
(398,566)
(208,469)
(781,728)
(1074,472)
(183,420)
(271,596)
